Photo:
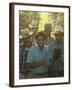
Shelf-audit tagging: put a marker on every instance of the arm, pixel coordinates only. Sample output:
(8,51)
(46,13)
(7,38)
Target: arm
(28,67)
(35,65)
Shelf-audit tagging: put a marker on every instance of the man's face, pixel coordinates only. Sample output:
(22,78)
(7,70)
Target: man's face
(27,41)
(40,41)
(59,36)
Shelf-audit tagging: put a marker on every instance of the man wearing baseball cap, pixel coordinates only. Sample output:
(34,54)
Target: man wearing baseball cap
(56,54)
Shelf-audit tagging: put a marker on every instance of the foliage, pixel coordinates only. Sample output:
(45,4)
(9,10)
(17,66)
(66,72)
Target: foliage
(56,18)
(26,17)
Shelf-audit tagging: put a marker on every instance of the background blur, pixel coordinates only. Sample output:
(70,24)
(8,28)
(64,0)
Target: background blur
(54,18)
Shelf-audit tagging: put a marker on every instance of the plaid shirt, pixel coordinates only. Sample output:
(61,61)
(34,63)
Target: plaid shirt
(23,52)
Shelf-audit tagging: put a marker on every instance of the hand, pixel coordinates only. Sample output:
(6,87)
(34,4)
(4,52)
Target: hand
(26,71)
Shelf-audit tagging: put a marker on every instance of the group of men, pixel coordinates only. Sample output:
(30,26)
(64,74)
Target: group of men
(41,55)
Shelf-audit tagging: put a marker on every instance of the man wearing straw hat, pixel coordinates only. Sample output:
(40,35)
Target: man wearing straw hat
(56,55)
(34,28)
(23,50)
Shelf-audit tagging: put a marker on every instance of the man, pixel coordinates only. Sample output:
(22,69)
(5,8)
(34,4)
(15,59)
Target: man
(23,50)
(48,30)
(56,55)
(37,58)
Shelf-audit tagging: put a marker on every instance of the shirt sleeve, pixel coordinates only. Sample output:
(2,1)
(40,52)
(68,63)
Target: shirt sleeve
(20,56)
(30,57)
(50,52)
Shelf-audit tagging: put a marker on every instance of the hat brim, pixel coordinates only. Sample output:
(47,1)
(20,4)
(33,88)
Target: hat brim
(59,33)
(29,35)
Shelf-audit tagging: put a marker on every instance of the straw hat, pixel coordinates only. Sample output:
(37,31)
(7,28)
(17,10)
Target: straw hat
(26,33)
(59,29)
(33,24)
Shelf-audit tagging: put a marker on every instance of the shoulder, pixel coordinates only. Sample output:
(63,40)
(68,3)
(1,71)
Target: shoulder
(52,45)
(33,48)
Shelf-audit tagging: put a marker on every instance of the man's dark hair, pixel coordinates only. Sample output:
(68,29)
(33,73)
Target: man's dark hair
(41,33)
